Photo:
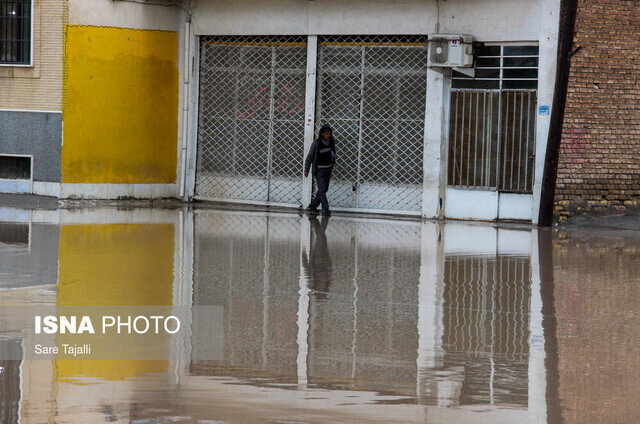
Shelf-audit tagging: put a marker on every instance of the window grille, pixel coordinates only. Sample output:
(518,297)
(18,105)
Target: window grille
(15,32)
(493,119)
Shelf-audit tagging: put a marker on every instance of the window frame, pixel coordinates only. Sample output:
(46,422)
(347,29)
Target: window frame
(501,68)
(31,41)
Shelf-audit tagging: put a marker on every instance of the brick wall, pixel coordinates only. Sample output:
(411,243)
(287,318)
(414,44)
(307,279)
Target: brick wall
(38,87)
(599,167)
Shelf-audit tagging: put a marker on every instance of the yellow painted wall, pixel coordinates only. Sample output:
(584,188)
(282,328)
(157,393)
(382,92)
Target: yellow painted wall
(120,105)
(115,264)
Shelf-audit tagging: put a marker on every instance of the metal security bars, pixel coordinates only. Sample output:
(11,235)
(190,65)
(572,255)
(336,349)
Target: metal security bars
(15,32)
(372,91)
(492,121)
(251,119)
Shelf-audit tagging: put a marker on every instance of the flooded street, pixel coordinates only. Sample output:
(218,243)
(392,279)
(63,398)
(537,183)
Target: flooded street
(326,320)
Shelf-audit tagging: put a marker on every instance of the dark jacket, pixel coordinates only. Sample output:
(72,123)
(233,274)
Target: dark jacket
(311,162)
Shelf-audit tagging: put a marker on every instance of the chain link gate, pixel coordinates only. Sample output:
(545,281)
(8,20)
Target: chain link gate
(372,91)
(251,119)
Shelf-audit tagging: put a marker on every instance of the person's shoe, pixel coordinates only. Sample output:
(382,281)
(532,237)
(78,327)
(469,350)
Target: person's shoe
(309,209)
(326,213)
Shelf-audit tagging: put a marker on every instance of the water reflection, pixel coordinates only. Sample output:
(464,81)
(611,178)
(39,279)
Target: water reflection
(340,320)
(317,266)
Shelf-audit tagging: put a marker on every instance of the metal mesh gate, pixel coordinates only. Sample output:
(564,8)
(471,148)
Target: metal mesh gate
(492,140)
(372,91)
(251,119)
(493,119)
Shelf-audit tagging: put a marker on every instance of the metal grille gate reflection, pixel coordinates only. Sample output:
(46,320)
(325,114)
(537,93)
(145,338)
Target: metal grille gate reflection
(372,91)
(251,119)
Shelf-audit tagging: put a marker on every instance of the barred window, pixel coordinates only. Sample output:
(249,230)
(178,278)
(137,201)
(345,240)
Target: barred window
(15,32)
(502,67)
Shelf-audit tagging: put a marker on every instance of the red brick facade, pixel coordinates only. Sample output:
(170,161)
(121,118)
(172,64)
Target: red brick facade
(599,166)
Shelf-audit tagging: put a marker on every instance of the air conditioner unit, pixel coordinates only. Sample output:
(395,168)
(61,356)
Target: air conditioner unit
(450,50)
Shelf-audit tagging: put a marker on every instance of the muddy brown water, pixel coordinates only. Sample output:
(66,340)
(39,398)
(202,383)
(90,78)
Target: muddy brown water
(327,320)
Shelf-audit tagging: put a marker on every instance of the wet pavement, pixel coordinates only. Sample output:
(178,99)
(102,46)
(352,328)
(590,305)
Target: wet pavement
(327,320)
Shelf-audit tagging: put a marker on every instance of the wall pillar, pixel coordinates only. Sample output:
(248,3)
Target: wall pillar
(547,64)
(436,132)
(309,112)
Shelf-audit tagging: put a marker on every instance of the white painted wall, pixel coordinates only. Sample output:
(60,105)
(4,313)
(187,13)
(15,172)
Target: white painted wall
(123,14)
(549,27)
(436,133)
(494,20)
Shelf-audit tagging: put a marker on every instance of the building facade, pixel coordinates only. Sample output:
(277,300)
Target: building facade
(109,71)
(411,139)
(31,63)
(221,100)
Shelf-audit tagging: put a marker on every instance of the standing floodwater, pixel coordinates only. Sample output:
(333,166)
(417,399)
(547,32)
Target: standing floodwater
(326,320)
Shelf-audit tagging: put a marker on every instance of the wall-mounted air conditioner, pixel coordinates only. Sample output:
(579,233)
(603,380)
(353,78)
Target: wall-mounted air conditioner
(450,51)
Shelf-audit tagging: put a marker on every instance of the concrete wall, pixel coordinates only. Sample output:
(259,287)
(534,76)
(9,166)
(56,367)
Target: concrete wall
(120,100)
(37,134)
(599,166)
(494,21)
(121,106)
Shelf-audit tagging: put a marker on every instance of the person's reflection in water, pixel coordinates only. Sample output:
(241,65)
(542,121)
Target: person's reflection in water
(317,265)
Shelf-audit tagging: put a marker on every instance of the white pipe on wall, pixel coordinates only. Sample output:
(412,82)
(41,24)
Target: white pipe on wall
(185,102)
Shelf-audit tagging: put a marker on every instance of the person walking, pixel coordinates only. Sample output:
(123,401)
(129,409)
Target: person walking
(320,160)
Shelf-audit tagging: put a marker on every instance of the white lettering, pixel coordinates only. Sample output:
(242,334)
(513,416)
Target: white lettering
(135,325)
(86,326)
(67,324)
(166,326)
(112,322)
(124,324)
(50,324)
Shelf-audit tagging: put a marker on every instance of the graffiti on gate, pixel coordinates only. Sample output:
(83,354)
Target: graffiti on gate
(288,101)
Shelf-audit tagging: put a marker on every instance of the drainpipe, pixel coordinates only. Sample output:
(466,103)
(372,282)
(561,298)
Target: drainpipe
(549,176)
(186,99)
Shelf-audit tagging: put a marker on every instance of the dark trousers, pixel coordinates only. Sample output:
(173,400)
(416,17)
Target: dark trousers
(323,176)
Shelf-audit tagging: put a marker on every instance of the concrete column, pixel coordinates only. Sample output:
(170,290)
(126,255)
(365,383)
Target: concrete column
(309,111)
(547,64)
(436,134)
